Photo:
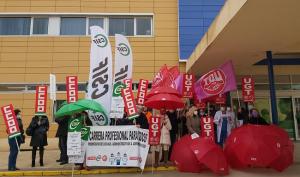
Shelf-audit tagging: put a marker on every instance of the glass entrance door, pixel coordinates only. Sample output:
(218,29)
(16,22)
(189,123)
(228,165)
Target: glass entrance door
(297,116)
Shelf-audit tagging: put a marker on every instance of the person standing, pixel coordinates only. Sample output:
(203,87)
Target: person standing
(255,118)
(165,139)
(62,134)
(141,121)
(173,132)
(193,121)
(224,122)
(15,143)
(39,126)
(242,117)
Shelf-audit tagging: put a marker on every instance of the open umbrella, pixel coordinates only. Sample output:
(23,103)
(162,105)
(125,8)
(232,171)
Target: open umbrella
(91,105)
(164,100)
(184,158)
(69,109)
(211,155)
(159,90)
(252,146)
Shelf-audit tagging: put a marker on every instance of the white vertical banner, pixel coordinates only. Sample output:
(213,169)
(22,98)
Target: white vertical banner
(52,86)
(100,78)
(123,59)
(122,71)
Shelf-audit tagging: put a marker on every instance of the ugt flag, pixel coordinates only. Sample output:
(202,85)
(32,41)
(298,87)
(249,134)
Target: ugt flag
(216,81)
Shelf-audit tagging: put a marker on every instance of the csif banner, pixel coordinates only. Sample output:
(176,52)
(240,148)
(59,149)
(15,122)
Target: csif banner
(52,87)
(154,130)
(100,78)
(41,99)
(207,127)
(248,89)
(142,91)
(10,120)
(72,89)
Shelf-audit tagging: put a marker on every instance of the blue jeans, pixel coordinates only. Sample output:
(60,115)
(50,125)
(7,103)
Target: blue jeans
(223,137)
(13,154)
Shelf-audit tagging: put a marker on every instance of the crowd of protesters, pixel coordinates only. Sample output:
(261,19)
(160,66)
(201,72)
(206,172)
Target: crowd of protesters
(174,124)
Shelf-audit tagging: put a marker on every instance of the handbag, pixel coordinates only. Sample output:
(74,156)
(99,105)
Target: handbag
(29,130)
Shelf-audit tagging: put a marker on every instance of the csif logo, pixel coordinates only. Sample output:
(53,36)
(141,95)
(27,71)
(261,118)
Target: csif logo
(74,124)
(84,131)
(118,88)
(123,49)
(100,40)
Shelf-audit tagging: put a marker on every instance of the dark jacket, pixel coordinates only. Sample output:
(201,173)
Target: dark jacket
(142,121)
(62,129)
(21,139)
(174,122)
(257,121)
(39,132)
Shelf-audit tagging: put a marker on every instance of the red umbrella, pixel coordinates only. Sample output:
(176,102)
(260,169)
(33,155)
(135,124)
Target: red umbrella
(184,158)
(286,157)
(158,90)
(211,155)
(251,145)
(164,100)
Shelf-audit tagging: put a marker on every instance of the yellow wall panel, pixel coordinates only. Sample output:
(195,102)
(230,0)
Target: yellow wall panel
(19,3)
(39,56)
(40,49)
(14,49)
(12,78)
(12,70)
(75,3)
(65,56)
(12,64)
(17,9)
(63,63)
(33,78)
(42,9)
(65,70)
(38,70)
(38,64)
(42,3)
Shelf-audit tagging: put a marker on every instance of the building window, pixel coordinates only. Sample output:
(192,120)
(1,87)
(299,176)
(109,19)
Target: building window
(143,26)
(15,25)
(40,26)
(95,22)
(123,26)
(73,26)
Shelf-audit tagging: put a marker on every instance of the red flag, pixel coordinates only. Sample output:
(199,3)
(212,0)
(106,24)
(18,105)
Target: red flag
(220,99)
(207,127)
(159,77)
(128,83)
(72,88)
(129,103)
(248,89)
(142,91)
(154,130)
(10,120)
(41,99)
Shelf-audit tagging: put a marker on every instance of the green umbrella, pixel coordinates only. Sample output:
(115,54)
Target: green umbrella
(91,105)
(69,109)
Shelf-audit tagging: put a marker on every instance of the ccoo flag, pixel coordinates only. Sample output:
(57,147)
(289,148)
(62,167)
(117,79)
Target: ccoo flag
(216,81)
(100,78)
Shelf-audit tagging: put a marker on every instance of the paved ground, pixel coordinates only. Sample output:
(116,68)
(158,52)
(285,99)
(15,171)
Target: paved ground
(52,153)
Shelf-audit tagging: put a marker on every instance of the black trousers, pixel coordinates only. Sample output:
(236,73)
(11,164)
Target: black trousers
(62,143)
(173,141)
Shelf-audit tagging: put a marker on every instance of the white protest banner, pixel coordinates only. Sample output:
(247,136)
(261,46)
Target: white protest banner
(117,103)
(52,87)
(117,146)
(74,136)
(85,132)
(100,78)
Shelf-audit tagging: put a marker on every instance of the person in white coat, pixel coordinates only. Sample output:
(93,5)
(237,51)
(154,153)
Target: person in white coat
(224,122)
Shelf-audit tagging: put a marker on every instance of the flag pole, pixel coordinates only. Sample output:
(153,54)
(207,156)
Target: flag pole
(238,97)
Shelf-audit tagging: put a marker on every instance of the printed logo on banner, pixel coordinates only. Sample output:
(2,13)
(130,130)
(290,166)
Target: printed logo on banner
(72,89)
(85,132)
(248,89)
(123,49)
(128,83)
(213,82)
(129,103)
(75,125)
(100,40)
(118,89)
(188,88)
(41,99)
(154,130)
(10,120)
(207,127)
(142,91)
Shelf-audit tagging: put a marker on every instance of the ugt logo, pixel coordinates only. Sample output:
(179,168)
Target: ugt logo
(100,40)
(123,49)
(213,82)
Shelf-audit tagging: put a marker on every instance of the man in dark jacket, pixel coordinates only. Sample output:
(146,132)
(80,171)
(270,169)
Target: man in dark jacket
(142,120)
(62,134)
(172,114)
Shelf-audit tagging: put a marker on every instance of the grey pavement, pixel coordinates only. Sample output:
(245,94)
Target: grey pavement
(52,153)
